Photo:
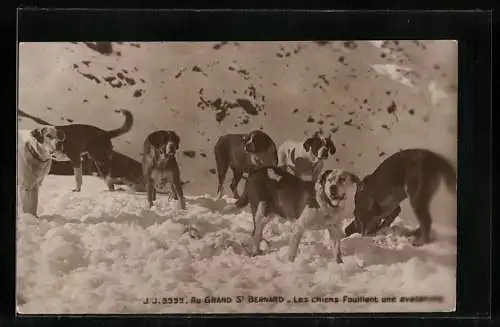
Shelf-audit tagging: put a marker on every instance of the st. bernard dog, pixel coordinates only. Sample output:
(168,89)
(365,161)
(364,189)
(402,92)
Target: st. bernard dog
(35,149)
(323,204)
(305,160)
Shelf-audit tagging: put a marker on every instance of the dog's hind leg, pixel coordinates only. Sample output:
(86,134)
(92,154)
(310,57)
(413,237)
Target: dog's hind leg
(77,171)
(420,204)
(237,175)
(222,168)
(420,195)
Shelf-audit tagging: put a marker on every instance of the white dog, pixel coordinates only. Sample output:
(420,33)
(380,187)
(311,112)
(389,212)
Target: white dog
(35,149)
(305,160)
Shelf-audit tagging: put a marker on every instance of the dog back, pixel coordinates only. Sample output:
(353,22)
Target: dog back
(286,194)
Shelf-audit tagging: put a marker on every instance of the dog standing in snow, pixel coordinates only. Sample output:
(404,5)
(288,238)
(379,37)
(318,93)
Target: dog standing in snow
(242,152)
(35,149)
(160,167)
(323,204)
(305,160)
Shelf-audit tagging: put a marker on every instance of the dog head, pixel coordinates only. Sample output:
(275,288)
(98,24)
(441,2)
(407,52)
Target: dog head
(164,145)
(321,147)
(335,184)
(365,210)
(256,142)
(48,139)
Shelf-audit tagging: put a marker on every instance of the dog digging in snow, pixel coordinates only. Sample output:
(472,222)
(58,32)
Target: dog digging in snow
(414,174)
(160,166)
(34,158)
(305,160)
(323,204)
(242,152)
(90,140)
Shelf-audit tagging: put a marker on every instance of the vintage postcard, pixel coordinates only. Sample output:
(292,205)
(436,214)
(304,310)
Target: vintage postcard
(237,177)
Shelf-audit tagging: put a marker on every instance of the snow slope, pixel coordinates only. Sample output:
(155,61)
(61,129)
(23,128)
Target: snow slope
(378,98)
(99,252)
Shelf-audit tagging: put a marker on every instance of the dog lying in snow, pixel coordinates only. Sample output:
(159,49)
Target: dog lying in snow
(311,205)
(35,149)
(160,166)
(242,152)
(412,174)
(305,160)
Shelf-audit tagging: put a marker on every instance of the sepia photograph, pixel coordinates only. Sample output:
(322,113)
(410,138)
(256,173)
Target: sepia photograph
(237,177)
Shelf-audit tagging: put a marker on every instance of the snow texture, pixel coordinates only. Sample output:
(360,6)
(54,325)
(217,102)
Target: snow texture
(103,252)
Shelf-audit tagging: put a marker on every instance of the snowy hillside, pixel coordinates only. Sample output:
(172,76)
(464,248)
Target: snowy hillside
(101,252)
(376,97)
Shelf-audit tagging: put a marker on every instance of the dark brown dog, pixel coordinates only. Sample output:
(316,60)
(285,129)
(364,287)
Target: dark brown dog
(87,139)
(159,165)
(414,174)
(242,152)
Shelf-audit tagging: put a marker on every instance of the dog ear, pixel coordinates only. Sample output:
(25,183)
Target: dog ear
(308,143)
(322,179)
(61,136)
(261,141)
(37,134)
(176,139)
(331,145)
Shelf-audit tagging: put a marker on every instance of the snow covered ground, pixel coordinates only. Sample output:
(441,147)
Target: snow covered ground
(103,252)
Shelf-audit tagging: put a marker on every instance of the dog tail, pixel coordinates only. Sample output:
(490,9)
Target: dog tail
(127,125)
(446,169)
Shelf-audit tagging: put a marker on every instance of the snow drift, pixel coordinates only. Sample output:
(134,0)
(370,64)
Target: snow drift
(103,252)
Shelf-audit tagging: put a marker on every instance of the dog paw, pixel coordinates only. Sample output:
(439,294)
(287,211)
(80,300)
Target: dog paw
(75,190)
(418,242)
(193,233)
(257,252)
(339,260)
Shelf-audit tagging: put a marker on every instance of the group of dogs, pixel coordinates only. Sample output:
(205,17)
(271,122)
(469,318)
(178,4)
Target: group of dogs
(287,181)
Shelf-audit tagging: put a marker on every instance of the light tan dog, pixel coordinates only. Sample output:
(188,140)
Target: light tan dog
(35,149)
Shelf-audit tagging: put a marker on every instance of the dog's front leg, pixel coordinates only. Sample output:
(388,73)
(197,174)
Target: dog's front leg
(180,194)
(29,198)
(260,221)
(150,187)
(335,237)
(299,228)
